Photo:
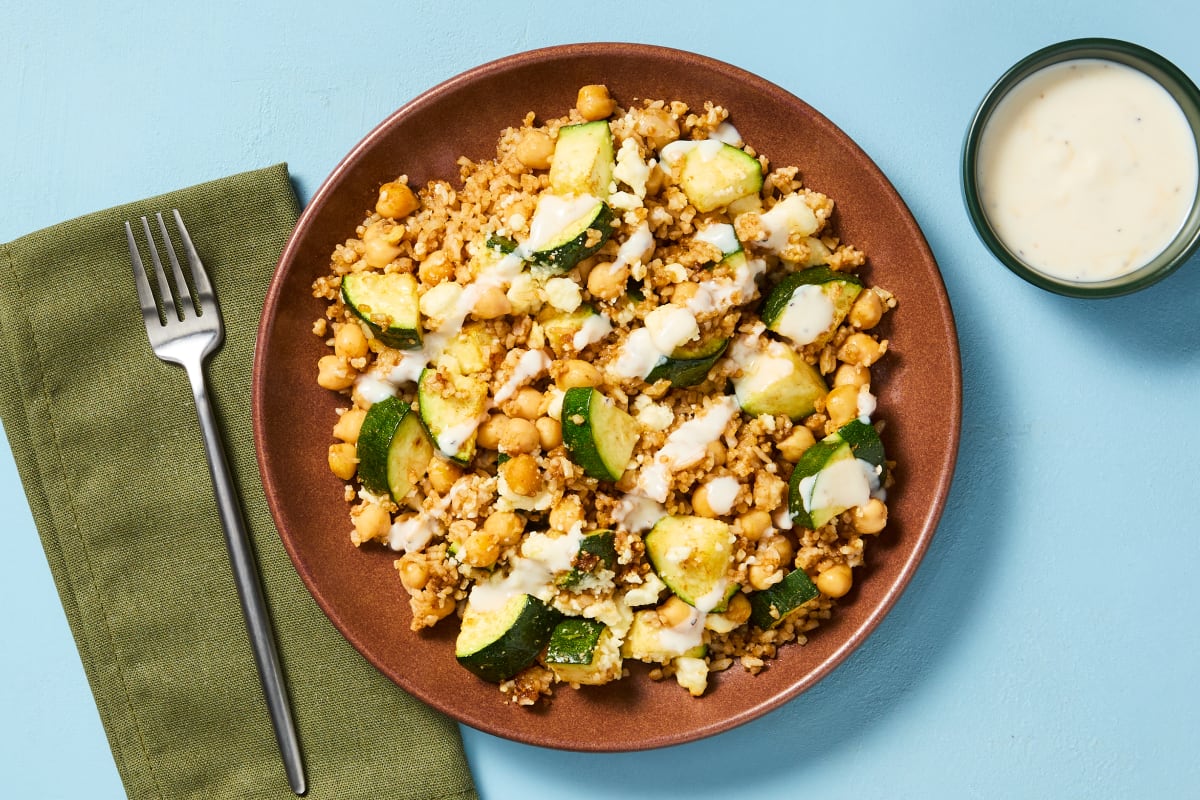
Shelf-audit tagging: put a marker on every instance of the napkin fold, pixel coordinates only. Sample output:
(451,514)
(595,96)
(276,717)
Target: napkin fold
(108,447)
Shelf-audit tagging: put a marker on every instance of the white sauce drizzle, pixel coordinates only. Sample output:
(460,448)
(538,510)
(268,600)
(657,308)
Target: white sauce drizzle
(532,572)
(685,447)
(531,364)
(594,328)
(808,314)
(722,492)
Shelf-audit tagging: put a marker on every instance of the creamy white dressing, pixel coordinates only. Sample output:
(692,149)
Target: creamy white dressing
(720,294)
(637,356)
(808,314)
(847,483)
(374,388)
(722,492)
(726,133)
(721,235)
(674,152)
(593,329)
(532,572)
(670,327)
(411,534)
(531,364)
(452,437)
(790,215)
(690,632)
(1087,169)
(553,214)
(636,513)
(629,168)
(637,247)
(685,447)
(866,403)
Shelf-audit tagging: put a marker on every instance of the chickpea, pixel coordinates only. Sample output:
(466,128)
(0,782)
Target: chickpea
(396,200)
(526,403)
(755,524)
(674,612)
(594,102)
(519,436)
(835,581)
(841,404)
(566,514)
(535,149)
(575,373)
(437,268)
(738,610)
(762,576)
(870,518)
(549,432)
(372,521)
(333,372)
(443,474)
(489,433)
(380,246)
(781,545)
(481,549)
(349,341)
(492,303)
(657,127)
(796,443)
(717,452)
(684,292)
(343,461)
(414,572)
(444,608)
(866,311)
(521,474)
(349,424)
(607,280)
(700,503)
(852,375)
(861,349)
(505,526)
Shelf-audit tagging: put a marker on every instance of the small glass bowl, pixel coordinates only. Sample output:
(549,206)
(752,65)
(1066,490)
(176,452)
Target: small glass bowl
(1152,64)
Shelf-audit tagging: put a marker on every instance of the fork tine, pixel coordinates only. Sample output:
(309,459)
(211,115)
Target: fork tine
(164,288)
(145,293)
(204,291)
(181,287)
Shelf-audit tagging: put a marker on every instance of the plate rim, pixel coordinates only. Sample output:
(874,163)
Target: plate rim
(949,452)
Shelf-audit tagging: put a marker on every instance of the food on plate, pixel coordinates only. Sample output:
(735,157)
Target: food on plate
(609,397)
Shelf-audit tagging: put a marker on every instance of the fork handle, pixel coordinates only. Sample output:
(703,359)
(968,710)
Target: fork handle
(249,586)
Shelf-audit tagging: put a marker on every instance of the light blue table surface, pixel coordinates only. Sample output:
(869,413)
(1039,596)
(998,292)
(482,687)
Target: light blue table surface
(1048,645)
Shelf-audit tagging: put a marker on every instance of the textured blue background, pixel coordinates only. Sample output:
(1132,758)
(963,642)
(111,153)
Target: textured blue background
(1048,645)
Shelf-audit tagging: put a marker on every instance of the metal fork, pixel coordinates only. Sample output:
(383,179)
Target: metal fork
(185,330)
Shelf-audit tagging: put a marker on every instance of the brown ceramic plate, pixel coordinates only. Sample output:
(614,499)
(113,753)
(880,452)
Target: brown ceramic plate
(919,390)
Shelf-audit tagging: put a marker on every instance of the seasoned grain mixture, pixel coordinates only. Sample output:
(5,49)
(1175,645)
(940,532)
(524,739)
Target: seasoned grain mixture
(608,395)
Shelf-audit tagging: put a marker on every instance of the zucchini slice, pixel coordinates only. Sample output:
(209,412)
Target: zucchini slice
(375,438)
(772,605)
(576,241)
(583,651)
(597,550)
(452,406)
(388,303)
(499,643)
(813,492)
(648,640)
(779,381)
(599,436)
(561,327)
(807,306)
(689,365)
(408,456)
(692,555)
(713,180)
(583,160)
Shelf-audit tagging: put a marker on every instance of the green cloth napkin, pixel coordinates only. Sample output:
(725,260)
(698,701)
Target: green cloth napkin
(108,447)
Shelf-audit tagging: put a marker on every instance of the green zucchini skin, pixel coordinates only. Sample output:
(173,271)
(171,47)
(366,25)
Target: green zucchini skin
(375,440)
(597,550)
(562,254)
(772,605)
(408,456)
(794,395)
(439,414)
(574,641)
(393,295)
(522,627)
(583,160)
(714,181)
(863,442)
(689,366)
(708,544)
(598,436)
(779,297)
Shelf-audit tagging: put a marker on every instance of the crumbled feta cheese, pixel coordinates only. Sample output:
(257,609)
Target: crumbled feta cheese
(653,416)
(439,302)
(563,294)
(523,294)
(630,169)
(671,326)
